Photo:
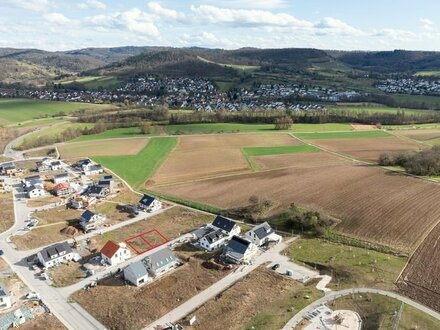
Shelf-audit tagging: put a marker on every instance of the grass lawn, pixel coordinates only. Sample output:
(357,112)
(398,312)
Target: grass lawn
(19,110)
(377,109)
(349,266)
(94,82)
(113,134)
(37,122)
(7,216)
(342,135)
(235,128)
(136,169)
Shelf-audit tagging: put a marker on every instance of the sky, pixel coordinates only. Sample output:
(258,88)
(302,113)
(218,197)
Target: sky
(229,24)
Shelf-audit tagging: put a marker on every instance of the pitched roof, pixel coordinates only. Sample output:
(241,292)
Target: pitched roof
(61,186)
(61,175)
(3,291)
(87,215)
(262,230)
(138,269)
(55,163)
(161,258)
(55,250)
(214,236)
(237,246)
(147,200)
(109,249)
(223,223)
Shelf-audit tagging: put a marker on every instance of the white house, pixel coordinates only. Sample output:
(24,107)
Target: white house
(56,165)
(150,204)
(5,298)
(213,240)
(90,220)
(239,251)
(44,165)
(55,254)
(61,178)
(262,234)
(137,273)
(114,254)
(161,261)
(91,169)
(36,191)
(227,226)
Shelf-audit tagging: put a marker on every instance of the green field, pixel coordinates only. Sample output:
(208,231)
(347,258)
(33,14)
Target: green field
(94,82)
(21,110)
(234,127)
(125,132)
(418,100)
(138,168)
(377,109)
(349,266)
(342,135)
(427,74)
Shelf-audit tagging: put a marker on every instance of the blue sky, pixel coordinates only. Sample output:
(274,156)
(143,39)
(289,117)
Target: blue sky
(335,24)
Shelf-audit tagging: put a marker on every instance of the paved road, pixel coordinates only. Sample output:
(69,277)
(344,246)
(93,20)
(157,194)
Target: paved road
(192,304)
(337,294)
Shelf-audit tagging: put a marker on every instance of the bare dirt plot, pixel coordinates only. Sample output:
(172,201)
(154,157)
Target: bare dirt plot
(7,216)
(303,160)
(363,127)
(59,214)
(119,306)
(258,301)
(367,149)
(420,134)
(420,279)
(117,147)
(44,321)
(40,237)
(198,157)
(374,204)
(111,211)
(43,201)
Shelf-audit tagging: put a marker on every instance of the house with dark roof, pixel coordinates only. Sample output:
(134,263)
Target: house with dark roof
(107,181)
(96,191)
(90,220)
(239,251)
(55,254)
(113,253)
(15,318)
(56,165)
(262,234)
(8,169)
(227,226)
(137,273)
(161,261)
(92,169)
(149,204)
(5,298)
(61,178)
(213,240)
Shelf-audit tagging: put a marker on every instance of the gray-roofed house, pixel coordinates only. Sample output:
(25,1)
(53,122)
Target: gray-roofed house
(161,261)
(5,298)
(239,251)
(8,169)
(56,165)
(213,240)
(55,254)
(93,169)
(136,273)
(15,318)
(262,234)
(149,203)
(96,191)
(90,220)
(61,178)
(227,226)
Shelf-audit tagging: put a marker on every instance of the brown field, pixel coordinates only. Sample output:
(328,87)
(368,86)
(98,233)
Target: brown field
(259,300)
(374,204)
(7,216)
(119,306)
(420,280)
(40,237)
(420,134)
(59,214)
(363,127)
(366,148)
(44,321)
(117,147)
(198,157)
(302,160)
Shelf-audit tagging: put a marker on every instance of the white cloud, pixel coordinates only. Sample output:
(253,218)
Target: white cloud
(58,18)
(35,5)
(133,20)
(245,17)
(255,4)
(330,25)
(396,34)
(427,24)
(157,9)
(92,4)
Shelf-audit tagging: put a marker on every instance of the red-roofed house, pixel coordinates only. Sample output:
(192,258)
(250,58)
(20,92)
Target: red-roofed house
(62,189)
(113,253)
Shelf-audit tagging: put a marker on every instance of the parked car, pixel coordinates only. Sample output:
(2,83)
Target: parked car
(275,267)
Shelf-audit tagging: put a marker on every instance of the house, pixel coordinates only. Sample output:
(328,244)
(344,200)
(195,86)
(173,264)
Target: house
(89,220)
(149,204)
(137,273)
(262,234)
(62,189)
(107,181)
(239,251)
(15,318)
(8,169)
(161,261)
(213,240)
(227,226)
(56,165)
(61,178)
(96,191)
(44,165)
(36,191)
(30,181)
(5,298)
(92,169)
(55,254)
(114,254)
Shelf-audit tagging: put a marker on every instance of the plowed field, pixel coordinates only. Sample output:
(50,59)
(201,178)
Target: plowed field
(302,160)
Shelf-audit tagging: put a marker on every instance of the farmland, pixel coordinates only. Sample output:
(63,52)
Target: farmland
(420,278)
(117,147)
(143,164)
(112,134)
(20,110)
(342,135)
(204,156)
(373,204)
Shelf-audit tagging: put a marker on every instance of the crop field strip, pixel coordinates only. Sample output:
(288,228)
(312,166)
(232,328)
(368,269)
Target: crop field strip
(341,135)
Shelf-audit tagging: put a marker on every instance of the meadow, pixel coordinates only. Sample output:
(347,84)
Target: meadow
(21,110)
(377,109)
(136,169)
(341,135)
(115,133)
